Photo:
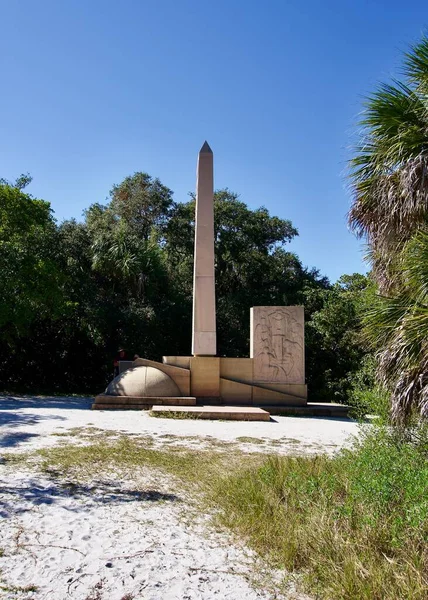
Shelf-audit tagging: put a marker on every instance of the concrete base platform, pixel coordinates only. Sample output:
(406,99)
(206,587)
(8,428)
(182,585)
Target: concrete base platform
(106,402)
(224,413)
(312,409)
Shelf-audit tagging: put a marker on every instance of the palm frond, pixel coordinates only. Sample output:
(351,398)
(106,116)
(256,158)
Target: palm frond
(416,64)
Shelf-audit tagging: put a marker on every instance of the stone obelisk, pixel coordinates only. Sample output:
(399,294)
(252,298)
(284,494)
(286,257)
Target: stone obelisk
(204,322)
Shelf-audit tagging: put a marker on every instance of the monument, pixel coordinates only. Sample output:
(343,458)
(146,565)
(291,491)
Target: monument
(204,329)
(274,375)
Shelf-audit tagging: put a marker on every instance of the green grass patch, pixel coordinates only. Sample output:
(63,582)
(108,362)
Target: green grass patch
(250,440)
(16,458)
(123,452)
(86,432)
(355,526)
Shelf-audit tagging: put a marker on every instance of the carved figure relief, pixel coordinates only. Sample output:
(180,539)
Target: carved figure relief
(278,344)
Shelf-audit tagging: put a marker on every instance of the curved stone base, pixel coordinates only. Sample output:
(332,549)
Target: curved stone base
(143,381)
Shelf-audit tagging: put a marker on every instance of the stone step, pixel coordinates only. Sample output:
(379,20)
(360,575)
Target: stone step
(311,409)
(107,402)
(104,406)
(225,413)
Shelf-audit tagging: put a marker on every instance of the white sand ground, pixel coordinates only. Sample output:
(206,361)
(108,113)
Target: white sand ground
(129,536)
(28,423)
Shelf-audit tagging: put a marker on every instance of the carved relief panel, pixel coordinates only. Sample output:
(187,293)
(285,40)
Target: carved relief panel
(278,344)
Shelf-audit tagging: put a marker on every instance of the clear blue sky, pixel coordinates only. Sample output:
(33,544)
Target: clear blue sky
(93,90)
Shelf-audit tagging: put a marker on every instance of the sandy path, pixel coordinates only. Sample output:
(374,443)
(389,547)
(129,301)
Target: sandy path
(28,424)
(113,541)
(128,536)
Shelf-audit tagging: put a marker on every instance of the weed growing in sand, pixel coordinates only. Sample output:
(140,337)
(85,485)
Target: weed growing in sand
(85,432)
(16,589)
(95,593)
(250,440)
(170,414)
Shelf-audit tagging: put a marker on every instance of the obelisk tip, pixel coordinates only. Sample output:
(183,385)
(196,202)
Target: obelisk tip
(205,149)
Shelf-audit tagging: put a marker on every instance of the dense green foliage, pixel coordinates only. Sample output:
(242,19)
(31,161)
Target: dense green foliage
(30,282)
(335,346)
(353,526)
(390,209)
(72,293)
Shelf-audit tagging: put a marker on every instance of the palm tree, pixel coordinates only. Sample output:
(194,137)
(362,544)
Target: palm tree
(389,176)
(126,259)
(397,325)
